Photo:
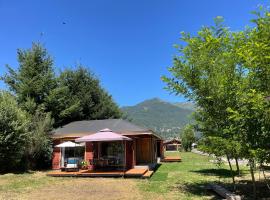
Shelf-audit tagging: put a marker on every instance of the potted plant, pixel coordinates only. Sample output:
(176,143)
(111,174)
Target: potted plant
(83,164)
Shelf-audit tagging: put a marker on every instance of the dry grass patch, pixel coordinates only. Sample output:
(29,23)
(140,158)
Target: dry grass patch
(39,186)
(87,188)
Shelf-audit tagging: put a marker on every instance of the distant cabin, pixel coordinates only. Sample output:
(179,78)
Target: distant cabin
(172,145)
(143,147)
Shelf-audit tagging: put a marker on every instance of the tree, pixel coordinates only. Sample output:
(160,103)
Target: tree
(46,98)
(31,84)
(227,75)
(252,116)
(188,137)
(74,95)
(13,132)
(253,120)
(34,79)
(207,73)
(39,149)
(79,96)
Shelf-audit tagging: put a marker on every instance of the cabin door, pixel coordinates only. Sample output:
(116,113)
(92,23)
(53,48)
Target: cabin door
(143,151)
(158,149)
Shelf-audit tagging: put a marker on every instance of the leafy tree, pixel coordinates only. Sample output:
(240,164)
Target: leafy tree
(207,72)
(253,120)
(13,132)
(39,149)
(227,75)
(188,137)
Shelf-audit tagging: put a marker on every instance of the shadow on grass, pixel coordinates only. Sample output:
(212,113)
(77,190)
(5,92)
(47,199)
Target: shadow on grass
(198,189)
(157,166)
(243,188)
(222,173)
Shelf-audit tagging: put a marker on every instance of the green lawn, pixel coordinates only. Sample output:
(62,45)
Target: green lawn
(183,180)
(186,180)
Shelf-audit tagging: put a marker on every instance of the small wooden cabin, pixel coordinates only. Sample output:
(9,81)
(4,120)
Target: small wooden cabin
(144,148)
(172,145)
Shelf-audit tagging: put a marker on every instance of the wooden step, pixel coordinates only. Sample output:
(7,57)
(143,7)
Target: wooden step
(135,172)
(148,174)
(171,159)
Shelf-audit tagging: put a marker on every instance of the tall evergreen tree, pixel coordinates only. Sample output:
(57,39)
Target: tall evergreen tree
(74,95)
(79,96)
(34,79)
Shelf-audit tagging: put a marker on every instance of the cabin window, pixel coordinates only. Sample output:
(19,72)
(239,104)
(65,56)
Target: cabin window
(71,153)
(113,152)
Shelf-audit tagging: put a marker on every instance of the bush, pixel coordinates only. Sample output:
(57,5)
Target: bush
(13,132)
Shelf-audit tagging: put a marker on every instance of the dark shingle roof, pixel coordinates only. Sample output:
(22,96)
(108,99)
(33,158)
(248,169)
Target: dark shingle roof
(80,128)
(172,141)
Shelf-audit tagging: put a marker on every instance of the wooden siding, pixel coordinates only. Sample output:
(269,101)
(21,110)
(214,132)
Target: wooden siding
(144,150)
(129,155)
(56,155)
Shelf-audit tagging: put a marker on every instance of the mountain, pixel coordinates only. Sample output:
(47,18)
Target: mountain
(185,105)
(167,119)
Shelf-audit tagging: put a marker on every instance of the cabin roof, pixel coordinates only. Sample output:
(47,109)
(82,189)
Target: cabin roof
(176,141)
(87,127)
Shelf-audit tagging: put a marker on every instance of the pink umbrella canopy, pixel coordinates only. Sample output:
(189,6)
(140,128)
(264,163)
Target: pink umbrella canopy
(103,135)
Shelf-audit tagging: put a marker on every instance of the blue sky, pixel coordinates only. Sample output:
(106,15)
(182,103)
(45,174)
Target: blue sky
(128,44)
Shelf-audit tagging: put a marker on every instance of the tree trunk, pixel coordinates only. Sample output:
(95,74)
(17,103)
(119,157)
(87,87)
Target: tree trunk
(231,170)
(237,166)
(251,164)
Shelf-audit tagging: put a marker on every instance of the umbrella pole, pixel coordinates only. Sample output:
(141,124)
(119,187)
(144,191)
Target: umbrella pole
(74,154)
(123,159)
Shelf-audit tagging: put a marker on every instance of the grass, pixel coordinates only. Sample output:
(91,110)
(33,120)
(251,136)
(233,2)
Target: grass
(185,180)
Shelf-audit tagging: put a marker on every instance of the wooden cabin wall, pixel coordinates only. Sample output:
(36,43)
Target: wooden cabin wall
(146,150)
(56,155)
(129,154)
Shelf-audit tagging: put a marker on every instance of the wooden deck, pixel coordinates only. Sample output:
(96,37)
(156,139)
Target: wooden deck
(86,173)
(171,159)
(138,173)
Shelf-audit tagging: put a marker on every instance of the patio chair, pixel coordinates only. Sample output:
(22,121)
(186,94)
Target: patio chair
(72,165)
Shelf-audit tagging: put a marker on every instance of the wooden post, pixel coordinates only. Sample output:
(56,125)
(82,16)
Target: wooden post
(98,150)
(124,160)
(134,152)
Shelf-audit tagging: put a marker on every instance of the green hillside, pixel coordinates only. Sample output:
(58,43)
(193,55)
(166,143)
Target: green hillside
(165,118)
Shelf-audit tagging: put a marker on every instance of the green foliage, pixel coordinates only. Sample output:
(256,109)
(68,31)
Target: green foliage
(227,75)
(252,119)
(79,96)
(73,95)
(207,72)
(13,132)
(39,149)
(188,137)
(34,79)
